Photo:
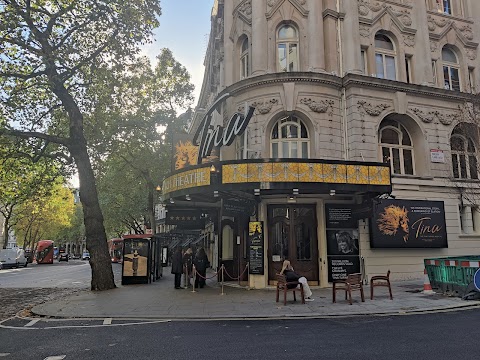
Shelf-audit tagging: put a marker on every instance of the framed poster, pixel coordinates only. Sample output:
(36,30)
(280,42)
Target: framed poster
(256,247)
(135,258)
(408,224)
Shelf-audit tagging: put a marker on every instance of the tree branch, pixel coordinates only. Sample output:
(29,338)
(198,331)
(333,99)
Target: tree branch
(38,135)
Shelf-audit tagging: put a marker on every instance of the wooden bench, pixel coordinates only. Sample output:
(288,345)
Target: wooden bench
(353,282)
(283,285)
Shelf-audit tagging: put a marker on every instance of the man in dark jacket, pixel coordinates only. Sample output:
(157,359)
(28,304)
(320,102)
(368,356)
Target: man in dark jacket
(177,267)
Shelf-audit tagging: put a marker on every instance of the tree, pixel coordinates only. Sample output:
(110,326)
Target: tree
(45,217)
(52,54)
(139,154)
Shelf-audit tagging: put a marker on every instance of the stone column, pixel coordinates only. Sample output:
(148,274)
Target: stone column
(422,71)
(330,38)
(316,40)
(350,41)
(259,38)
(227,70)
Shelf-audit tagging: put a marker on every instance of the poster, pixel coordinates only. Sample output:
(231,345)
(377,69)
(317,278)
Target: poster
(408,224)
(135,258)
(343,252)
(256,250)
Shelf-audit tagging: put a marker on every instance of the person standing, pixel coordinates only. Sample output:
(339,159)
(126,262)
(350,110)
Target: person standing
(177,266)
(187,265)
(201,264)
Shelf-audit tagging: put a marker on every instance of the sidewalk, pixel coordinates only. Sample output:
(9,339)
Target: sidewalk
(159,300)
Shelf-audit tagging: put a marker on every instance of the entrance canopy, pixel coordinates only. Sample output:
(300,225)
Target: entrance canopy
(277,176)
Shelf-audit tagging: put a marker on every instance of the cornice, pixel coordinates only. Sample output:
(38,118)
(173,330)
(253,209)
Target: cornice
(334,14)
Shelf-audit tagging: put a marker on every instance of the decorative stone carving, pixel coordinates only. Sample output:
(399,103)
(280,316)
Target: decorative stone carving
(261,107)
(467,32)
(409,40)
(321,106)
(272,3)
(471,54)
(364,31)
(433,22)
(403,16)
(364,7)
(431,116)
(246,9)
(372,110)
(433,46)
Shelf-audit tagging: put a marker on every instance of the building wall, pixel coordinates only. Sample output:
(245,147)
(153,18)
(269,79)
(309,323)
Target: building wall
(343,104)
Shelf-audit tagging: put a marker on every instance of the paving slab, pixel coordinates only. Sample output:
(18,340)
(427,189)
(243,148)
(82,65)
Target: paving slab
(159,300)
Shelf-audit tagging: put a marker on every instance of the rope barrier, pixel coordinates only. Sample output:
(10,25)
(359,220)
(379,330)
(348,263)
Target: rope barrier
(238,277)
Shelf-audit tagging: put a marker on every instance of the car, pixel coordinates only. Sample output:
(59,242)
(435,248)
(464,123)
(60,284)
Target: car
(86,255)
(63,257)
(13,258)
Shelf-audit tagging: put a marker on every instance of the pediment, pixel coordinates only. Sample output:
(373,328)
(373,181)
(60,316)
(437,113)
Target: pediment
(274,5)
(400,18)
(464,33)
(243,13)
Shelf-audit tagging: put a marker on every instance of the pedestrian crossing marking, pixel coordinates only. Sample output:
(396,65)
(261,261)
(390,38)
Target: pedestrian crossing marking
(107,321)
(59,357)
(31,323)
(4,354)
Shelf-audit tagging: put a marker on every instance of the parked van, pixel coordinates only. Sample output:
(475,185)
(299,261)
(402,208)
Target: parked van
(13,258)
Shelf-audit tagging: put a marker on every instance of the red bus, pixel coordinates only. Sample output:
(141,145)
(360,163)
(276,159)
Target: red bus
(44,252)
(115,248)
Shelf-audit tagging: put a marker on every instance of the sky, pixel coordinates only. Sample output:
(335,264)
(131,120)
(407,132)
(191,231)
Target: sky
(184,29)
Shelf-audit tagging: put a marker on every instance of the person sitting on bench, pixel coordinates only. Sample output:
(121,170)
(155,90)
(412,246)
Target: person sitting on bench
(292,276)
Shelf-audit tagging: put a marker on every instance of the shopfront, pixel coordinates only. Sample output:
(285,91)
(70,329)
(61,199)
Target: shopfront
(266,210)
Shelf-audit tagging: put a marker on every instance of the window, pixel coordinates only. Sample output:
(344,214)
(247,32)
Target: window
(471,80)
(464,158)
(408,68)
(240,146)
(363,55)
(289,139)
(396,147)
(451,69)
(287,48)
(444,6)
(385,57)
(245,60)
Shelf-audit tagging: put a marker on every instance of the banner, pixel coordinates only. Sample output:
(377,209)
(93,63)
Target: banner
(238,207)
(408,224)
(185,219)
(184,152)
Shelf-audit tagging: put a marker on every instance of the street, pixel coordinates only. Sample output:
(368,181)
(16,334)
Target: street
(436,336)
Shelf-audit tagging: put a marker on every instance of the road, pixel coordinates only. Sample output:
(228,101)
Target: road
(442,336)
(25,287)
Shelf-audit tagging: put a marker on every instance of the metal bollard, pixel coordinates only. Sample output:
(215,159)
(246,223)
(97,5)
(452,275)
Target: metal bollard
(222,268)
(194,273)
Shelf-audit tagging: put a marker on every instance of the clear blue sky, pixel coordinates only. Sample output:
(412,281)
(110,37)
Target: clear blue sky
(184,29)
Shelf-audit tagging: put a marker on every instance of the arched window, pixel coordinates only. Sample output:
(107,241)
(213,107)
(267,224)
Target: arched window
(385,57)
(245,59)
(451,69)
(396,147)
(464,158)
(444,6)
(287,49)
(289,139)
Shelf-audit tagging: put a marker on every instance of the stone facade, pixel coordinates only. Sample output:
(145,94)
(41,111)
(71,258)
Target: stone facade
(336,88)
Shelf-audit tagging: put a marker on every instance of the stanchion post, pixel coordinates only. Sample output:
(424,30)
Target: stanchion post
(223,269)
(194,273)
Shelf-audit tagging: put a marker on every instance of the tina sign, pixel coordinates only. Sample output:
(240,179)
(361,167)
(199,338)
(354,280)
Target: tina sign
(207,137)
(408,224)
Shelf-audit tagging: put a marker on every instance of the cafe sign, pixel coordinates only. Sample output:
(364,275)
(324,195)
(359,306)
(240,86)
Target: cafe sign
(408,224)
(208,137)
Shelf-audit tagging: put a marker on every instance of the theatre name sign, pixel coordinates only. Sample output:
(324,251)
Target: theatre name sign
(187,179)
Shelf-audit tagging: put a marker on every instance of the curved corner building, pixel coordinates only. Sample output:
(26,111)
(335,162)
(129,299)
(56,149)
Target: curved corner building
(361,154)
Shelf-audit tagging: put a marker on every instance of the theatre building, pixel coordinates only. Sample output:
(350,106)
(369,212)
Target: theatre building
(337,134)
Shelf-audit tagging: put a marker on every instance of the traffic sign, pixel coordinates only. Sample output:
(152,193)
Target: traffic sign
(476,279)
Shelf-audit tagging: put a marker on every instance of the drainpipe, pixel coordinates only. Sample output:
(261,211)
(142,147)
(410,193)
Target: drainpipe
(343,100)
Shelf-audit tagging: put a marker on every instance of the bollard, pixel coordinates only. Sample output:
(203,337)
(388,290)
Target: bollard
(222,268)
(194,273)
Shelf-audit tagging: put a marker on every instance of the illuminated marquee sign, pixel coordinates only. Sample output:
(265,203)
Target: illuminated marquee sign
(186,180)
(219,136)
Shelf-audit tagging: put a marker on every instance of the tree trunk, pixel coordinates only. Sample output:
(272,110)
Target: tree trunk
(151,207)
(5,233)
(96,239)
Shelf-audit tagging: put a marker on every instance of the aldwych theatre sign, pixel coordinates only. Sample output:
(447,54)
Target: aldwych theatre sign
(219,136)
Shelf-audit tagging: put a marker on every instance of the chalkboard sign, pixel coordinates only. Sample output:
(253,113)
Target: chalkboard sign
(255,237)
(340,266)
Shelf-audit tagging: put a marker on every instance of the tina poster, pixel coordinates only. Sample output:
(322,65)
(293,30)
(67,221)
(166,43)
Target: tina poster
(408,224)
(256,247)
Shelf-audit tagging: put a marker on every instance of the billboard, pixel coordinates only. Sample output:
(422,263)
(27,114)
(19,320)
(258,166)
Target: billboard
(408,224)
